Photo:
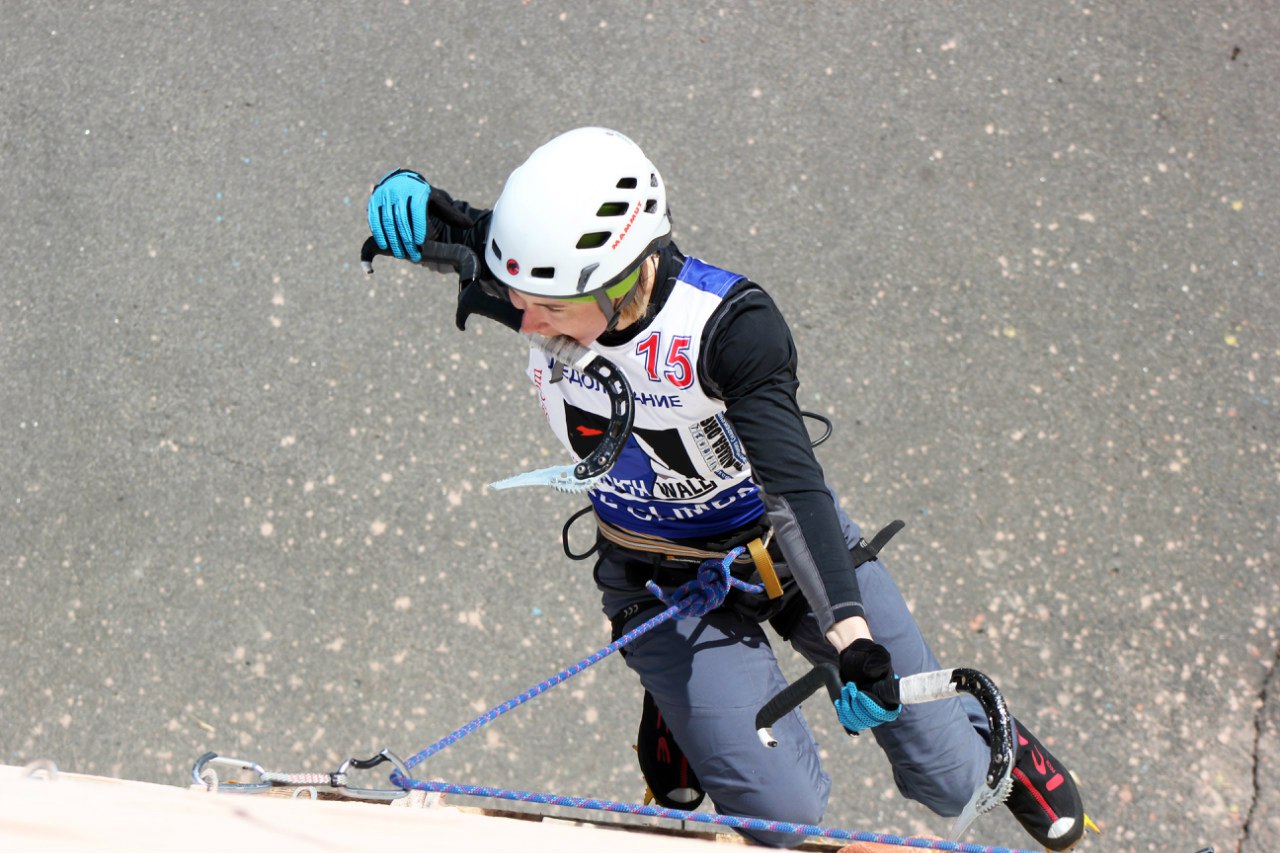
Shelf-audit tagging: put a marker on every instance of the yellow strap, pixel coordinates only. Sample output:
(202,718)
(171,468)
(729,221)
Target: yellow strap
(764,565)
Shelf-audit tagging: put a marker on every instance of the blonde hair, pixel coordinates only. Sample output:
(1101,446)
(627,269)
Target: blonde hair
(638,308)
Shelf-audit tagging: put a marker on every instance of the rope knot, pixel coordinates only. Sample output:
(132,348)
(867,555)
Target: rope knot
(706,592)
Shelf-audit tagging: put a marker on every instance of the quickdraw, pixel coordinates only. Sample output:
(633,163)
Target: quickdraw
(204,773)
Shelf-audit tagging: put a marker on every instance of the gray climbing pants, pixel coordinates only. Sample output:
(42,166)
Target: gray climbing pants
(710,675)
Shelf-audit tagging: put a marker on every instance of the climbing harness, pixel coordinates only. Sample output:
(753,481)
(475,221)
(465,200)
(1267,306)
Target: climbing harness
(757,551)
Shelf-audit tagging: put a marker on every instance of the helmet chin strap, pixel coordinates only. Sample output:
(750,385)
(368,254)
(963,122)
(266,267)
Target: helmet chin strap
(606,308)
(612,313)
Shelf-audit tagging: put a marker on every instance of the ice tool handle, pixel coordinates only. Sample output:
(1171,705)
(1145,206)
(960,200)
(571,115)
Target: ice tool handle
(455,255)
(913,690)
(473,300)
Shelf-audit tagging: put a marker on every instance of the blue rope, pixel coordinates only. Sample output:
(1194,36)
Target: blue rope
(730,821)
(695,598)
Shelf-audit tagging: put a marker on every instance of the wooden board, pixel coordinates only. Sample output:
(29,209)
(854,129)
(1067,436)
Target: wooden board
(43,810)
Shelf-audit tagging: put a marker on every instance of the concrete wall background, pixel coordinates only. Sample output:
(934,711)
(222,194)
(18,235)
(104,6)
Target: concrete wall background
(1028,251)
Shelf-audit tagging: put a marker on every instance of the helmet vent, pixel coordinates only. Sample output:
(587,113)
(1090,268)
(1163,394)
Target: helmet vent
(613,208)
(496,251)
(628,184)
(594,240)
(651,206)
(542,272)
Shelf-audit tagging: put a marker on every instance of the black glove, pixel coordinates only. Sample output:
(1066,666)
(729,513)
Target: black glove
(867,665)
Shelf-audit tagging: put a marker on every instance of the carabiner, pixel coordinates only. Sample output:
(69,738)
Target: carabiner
(340,777)
(197,774)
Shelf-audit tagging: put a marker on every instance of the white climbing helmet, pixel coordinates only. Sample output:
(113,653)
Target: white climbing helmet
(575,220)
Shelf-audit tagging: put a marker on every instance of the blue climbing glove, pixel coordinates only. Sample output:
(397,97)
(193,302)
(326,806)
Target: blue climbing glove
(400,208)
(870,695)
(398,213)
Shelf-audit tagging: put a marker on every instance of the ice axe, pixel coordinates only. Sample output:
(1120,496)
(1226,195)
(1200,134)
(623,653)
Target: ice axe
(915,690)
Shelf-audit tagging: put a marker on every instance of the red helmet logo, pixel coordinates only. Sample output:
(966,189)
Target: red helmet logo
(513,268)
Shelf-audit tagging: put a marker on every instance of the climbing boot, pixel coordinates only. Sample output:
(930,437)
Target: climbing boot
(1044,798)
(666,771)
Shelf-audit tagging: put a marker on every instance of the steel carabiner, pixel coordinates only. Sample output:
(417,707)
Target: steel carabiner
(340,777)
(212,758)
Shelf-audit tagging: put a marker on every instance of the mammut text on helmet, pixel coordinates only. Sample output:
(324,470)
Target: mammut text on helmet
(632,221)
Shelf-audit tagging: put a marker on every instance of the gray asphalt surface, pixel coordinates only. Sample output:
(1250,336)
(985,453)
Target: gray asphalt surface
(1029,252)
